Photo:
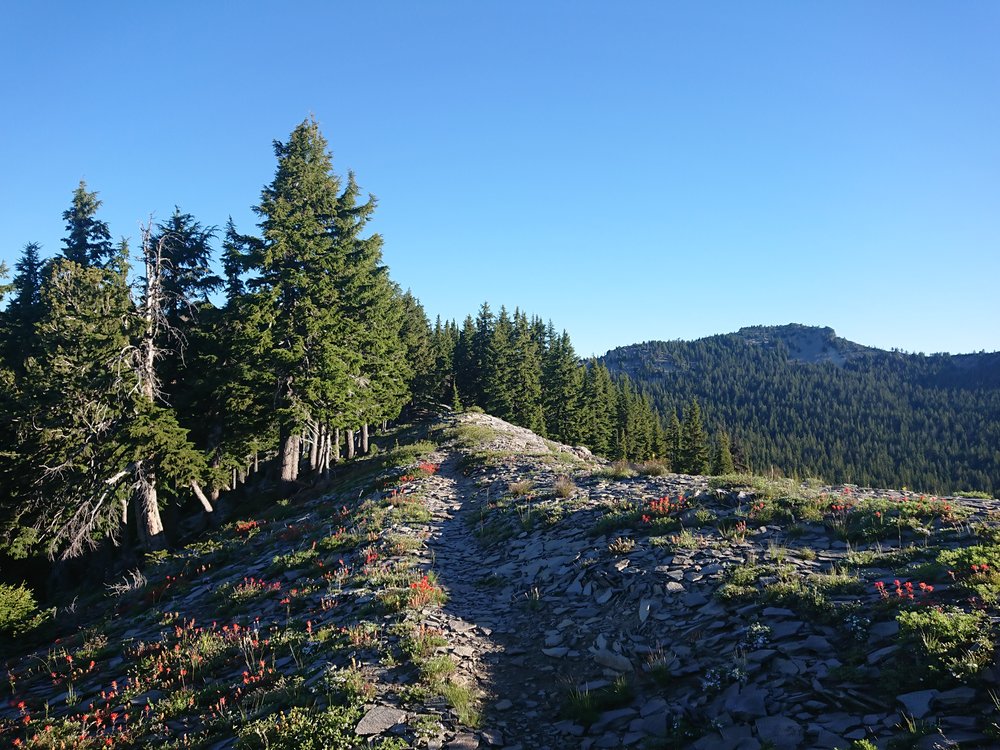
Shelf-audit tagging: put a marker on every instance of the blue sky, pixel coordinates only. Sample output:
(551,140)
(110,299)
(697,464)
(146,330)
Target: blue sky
(633,171)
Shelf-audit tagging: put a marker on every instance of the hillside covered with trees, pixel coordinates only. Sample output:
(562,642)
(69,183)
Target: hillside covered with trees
(805,402)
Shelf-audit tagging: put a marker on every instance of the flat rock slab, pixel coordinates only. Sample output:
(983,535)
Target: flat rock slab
(378,719)
(781,732)
(614,661)
(918,703)
(463,742)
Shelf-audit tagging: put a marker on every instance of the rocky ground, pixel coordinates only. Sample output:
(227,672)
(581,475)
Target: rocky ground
(488,588)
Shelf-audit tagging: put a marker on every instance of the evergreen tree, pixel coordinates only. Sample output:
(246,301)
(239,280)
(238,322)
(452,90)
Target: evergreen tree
(562,383)
(95,445)
(722,461)
(674,441)
(188,279)
(599,409)
(694,449)
(293,295)
(25,309)
(420,353)
(444,339)
(499,368)
(88,239)
(374,315)
(480,352)
(526,385)
(235,253)
(465,366)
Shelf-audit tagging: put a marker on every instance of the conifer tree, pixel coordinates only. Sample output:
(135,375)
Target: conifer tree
(293,297)
(235,253)
(526,385)
(694,450)
(674,441)
(188,279)
(444,339)
(417,337)
(500,368)
(600,408)
(479,355)
(25,309)
(98,446)
(722,461)
(373,318)
(464,362)
(88,239)
(562,382)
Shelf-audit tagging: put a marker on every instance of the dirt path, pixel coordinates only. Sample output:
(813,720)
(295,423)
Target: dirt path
(496,630)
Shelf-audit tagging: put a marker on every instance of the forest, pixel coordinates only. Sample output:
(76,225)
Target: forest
(141,385)
(866,416)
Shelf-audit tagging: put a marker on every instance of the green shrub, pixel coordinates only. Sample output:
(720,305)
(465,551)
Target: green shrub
(953,644)
(654,468)
(407,455)
(962,560)
(18,610)
(303,729)
(617,470)
(564,487)
(519,489)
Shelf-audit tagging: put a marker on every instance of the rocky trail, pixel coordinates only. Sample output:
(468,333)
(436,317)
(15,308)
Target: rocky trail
(552,614)
(491,589)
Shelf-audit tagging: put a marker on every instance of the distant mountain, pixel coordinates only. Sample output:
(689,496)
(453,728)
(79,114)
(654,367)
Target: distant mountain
(805,401)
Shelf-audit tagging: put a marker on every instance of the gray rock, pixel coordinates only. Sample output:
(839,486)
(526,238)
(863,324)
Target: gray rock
(960,696)
(657,725)
(748,703)
(783,733)
(694,599)
(611,660)
(825,740)
(816,643)
(463,742)
(880,655)
(644,610)
(378,719)
(493,737)
(780,630)
(569,727)
(918,703)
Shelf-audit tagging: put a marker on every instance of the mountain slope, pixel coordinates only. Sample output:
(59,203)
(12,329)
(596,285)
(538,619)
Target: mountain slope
(809,403)
(485,588)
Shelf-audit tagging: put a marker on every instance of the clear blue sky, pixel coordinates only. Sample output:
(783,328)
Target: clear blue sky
(633,171)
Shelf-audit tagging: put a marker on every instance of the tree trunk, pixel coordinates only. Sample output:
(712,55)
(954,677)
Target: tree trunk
(147,511)
(198,493)
(325,454)
(314,448)
(350,444)
(290,458)
(364,439)
(256,462)
(336,445)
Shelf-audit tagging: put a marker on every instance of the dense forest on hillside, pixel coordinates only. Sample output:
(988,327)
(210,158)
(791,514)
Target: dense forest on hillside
(810,404)
(137,380)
